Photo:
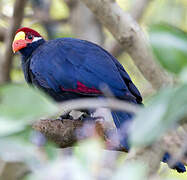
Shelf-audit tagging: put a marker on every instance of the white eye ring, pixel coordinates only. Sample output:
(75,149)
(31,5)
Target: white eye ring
(36,39)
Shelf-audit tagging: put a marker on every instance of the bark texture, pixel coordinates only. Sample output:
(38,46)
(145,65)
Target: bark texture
(137,11)
(84,24)
(15,22)
(65,133)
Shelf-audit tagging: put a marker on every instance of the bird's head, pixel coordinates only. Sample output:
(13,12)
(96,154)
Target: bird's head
(25,37)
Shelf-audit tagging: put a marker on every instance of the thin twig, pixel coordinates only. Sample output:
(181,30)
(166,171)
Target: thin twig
(91,103)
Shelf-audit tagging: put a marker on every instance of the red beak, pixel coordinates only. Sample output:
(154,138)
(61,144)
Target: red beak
(18,44)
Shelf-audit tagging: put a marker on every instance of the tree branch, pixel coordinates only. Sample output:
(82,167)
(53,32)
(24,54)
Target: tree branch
(172,142)
(42,13)
(137,12)
(66,132)
(151,156)
(88,27)
(6,61)
(2,33)
(93,103)
(13,170)
(131,37)
(138,8)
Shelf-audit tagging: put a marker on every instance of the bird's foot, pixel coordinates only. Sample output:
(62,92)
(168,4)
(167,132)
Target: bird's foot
(65,116)
(88,117)
(179,166)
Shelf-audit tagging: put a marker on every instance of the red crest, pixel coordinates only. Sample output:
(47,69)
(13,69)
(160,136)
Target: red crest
(29,31)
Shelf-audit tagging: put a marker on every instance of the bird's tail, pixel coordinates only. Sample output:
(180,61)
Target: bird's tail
(179,166)
(122,121)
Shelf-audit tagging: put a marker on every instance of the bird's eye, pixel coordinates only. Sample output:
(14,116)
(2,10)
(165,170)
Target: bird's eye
(29,36)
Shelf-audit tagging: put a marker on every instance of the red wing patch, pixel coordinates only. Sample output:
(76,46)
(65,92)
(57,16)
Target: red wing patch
(81,88)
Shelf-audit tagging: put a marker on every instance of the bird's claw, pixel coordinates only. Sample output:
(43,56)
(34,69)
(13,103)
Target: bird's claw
(65,116)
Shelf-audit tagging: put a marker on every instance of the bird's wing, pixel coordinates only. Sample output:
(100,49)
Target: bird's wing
(132,88)
(81,67)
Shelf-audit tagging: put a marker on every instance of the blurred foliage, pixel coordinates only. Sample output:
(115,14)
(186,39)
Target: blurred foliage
(164,110)
(89,160)
(166,21)
(28,104)
(59,10)
(172,12)
(170,46)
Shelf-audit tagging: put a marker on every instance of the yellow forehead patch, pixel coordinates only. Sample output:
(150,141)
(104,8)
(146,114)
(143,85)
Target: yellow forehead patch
(19,36)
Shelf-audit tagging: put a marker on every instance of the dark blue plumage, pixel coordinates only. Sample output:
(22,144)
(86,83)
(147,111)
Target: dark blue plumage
(178,165)
(68,68)
(72,60)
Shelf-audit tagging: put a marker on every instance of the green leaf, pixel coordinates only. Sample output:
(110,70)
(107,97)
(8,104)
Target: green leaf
(20,105)
(131,171)
(61,168)
(165,109)
(14,149)
(169,46)
(89,153)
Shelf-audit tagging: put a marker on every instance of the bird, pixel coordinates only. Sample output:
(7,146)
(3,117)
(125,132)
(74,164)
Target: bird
(70,68)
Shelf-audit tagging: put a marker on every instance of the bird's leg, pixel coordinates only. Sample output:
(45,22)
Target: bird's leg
(84,115)
(66,116)
(88,115)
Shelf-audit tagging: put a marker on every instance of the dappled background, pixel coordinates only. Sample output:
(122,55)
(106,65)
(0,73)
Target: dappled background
(58,18)
(164,23)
